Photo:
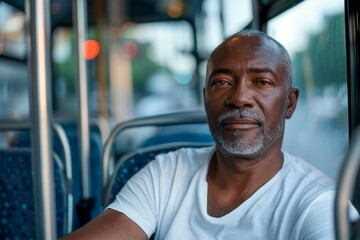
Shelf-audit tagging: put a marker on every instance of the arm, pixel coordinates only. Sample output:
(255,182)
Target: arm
(122,219)
(109,225)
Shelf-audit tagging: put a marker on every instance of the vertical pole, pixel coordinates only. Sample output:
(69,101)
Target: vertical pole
(221,17)
(346,188)
(38,34)
(352,15)
(101,62)
(260,15)
(255,24)
(80,25)
(198,85)
(352,29)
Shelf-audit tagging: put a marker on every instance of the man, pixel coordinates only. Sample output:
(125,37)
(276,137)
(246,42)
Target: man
(245,187)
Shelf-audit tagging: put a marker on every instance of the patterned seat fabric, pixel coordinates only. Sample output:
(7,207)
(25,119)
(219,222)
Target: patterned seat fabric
(95,163)
(17,209)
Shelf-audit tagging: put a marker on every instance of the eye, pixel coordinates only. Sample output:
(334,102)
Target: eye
(262,83)
(221,82)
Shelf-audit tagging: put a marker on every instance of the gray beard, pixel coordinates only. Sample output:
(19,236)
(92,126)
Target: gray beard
(241,147)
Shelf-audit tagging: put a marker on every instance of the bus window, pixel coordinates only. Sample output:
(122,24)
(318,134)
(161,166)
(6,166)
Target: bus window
(150,70)
(222,19)
(64,98)
(237,15)
(316,45)
(162,66)
(64,72)
(14,96)
(12,32)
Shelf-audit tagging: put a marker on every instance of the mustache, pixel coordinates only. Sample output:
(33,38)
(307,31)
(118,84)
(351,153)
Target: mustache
(239,113)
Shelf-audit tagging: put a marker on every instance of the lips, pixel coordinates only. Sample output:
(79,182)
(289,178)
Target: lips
(240,123)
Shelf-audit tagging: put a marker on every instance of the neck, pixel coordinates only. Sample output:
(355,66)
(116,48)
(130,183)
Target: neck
(231,181)
(225,169)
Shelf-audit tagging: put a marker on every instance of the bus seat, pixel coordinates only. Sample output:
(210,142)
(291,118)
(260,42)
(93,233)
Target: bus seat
(131,163)
(180,133)
(17,199)
(20,137)
(23,139)
(195,117)
(95,146)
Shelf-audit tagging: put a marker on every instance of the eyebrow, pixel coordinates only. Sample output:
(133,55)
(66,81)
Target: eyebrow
(261,70)
(251,70)
(219,71)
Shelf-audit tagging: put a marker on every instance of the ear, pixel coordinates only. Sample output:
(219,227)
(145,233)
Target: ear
(292,101)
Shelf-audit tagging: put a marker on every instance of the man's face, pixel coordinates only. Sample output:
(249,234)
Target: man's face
(246,97)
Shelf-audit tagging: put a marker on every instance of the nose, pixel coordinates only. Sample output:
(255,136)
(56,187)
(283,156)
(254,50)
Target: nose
(241,97)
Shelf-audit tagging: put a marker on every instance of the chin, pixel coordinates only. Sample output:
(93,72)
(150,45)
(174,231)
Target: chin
(240,149)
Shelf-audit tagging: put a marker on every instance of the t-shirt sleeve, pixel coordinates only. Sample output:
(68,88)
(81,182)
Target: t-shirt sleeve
(137,199)
(319,222)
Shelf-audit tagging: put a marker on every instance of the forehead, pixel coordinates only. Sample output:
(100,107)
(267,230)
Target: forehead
(242,52)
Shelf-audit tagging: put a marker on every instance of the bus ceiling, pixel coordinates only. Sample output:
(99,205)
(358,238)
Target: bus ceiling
(143,11)
(138,11)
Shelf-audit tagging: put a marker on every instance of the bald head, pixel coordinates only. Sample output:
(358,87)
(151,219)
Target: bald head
(251,33)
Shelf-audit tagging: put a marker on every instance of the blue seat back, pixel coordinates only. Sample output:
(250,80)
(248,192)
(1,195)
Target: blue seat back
(17,220)
(95,145)
(70,128)
(131,163)
(180,133)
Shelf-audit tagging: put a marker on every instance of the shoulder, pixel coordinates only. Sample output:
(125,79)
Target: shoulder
(310,197)
(300,170)
(305,184)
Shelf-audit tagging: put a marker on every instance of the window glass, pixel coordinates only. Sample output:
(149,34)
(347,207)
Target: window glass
(162,66)
(237,15)
(14,95)
(313,32)
(12,32)
(151,70)
(64,94)
(63,58)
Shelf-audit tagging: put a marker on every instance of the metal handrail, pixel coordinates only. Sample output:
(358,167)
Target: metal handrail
(345,188)
(80,29)
(39,69)
(100,123)
(176,118)
(68,166)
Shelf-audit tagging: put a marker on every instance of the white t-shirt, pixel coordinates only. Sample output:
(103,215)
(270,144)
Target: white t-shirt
(169,197)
